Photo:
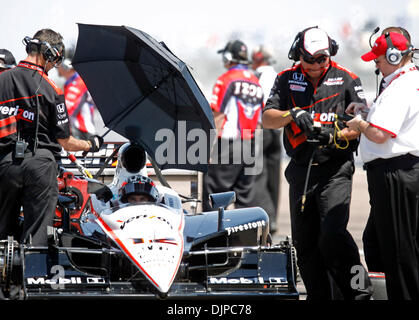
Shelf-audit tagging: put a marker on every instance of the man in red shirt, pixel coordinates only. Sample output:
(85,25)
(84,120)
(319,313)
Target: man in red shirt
(237,102)
(80,106)
(267,183)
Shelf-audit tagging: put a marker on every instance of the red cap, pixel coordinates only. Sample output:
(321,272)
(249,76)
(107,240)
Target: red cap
(380,46)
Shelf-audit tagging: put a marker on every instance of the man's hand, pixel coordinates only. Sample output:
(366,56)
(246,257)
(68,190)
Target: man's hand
(303,120)
(323,138)
(95,142)
(354,123)
(357,108)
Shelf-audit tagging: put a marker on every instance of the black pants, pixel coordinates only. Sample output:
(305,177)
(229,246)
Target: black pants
(324,246)
(267,183)
(226,175)
(393,186)
(30,183)
(371,246)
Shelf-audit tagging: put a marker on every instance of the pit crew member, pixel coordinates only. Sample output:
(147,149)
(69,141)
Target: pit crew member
(33,129)
(267,184)
(237,101)
(322,164)
(79,102)
(390,150)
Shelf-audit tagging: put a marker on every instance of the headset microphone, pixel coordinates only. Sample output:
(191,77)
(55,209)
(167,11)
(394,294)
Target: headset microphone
(377,86)
(373,33)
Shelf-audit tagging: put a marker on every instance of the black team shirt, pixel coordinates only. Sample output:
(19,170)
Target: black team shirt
(18,109)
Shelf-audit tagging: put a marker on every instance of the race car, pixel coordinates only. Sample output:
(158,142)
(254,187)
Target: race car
(102,248)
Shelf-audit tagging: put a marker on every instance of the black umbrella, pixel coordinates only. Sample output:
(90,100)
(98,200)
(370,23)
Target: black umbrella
(140,87)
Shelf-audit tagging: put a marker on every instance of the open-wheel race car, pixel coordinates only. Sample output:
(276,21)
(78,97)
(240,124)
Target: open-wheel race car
(102,248)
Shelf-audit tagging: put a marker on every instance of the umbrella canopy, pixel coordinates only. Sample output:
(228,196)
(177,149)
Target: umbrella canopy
(144,92)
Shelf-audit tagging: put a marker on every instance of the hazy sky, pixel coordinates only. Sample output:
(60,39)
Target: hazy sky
(188,24)
(194,30)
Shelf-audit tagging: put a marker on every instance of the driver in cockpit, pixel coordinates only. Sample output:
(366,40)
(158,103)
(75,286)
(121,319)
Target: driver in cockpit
(138,189)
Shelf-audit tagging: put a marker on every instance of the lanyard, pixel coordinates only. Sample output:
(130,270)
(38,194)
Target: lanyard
(398,75)
(31,66)
(413,68)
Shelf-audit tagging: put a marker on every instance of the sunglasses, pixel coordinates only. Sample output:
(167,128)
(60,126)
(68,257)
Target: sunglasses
(312,60)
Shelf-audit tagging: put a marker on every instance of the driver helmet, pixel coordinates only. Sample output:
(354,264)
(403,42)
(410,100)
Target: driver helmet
(138,185)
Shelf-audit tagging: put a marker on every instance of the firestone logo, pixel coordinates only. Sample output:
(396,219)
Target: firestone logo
(244,227)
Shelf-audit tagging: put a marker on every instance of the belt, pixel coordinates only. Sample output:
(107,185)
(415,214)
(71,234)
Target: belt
(405,161)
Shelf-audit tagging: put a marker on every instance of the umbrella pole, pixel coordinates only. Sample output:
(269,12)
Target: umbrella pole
(164,182)
(158,173)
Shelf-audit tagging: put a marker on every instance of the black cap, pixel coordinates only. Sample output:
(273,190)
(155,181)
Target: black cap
(238,51)
(7,60)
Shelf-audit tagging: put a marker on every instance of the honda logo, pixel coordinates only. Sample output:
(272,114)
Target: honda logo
(298,76)
(61,108)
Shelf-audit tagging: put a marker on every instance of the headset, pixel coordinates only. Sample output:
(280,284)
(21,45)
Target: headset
(50,53)
(393,55)
(294,53)
(228,58)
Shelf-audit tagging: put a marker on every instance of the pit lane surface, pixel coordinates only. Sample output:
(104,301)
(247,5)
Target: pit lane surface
(358,216)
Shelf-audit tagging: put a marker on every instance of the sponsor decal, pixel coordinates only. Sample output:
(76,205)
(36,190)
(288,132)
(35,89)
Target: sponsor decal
(360,92)
(297,79)
(246,226)
(247,280)
(301,83)
(145,216)
(296,87)
(60,108)
(60,122)
(334,81)
(323,117)
(298,76)
(64,281)
(19,113)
